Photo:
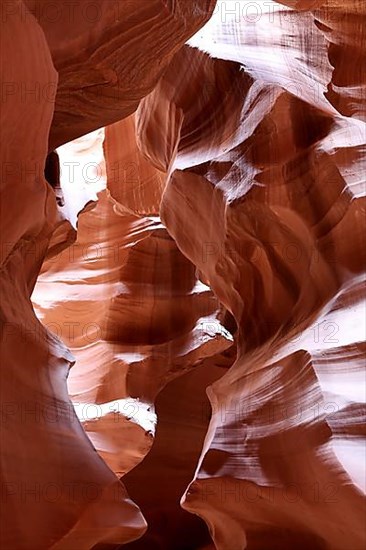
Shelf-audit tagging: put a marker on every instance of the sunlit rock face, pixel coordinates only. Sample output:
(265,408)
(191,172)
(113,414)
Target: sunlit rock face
(183,256)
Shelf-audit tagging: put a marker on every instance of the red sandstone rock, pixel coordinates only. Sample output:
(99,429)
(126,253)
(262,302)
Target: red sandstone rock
(110,54)
(206,252)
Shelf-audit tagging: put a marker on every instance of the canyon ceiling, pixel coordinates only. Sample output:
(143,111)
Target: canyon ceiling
(183,252)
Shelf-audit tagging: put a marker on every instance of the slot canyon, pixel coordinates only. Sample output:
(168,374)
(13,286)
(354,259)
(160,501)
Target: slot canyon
(183,258)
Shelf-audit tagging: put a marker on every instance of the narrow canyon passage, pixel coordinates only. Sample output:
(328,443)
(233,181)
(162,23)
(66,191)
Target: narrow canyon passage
(183,257)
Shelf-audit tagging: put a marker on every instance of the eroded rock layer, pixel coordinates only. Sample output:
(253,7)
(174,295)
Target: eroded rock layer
(49,468)
(183,221)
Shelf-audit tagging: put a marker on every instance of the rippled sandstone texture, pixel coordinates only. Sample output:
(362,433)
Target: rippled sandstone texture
(220,250)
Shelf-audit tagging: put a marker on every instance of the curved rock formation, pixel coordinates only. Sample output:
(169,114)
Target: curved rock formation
(203,246)
(53,484)
(109,54)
